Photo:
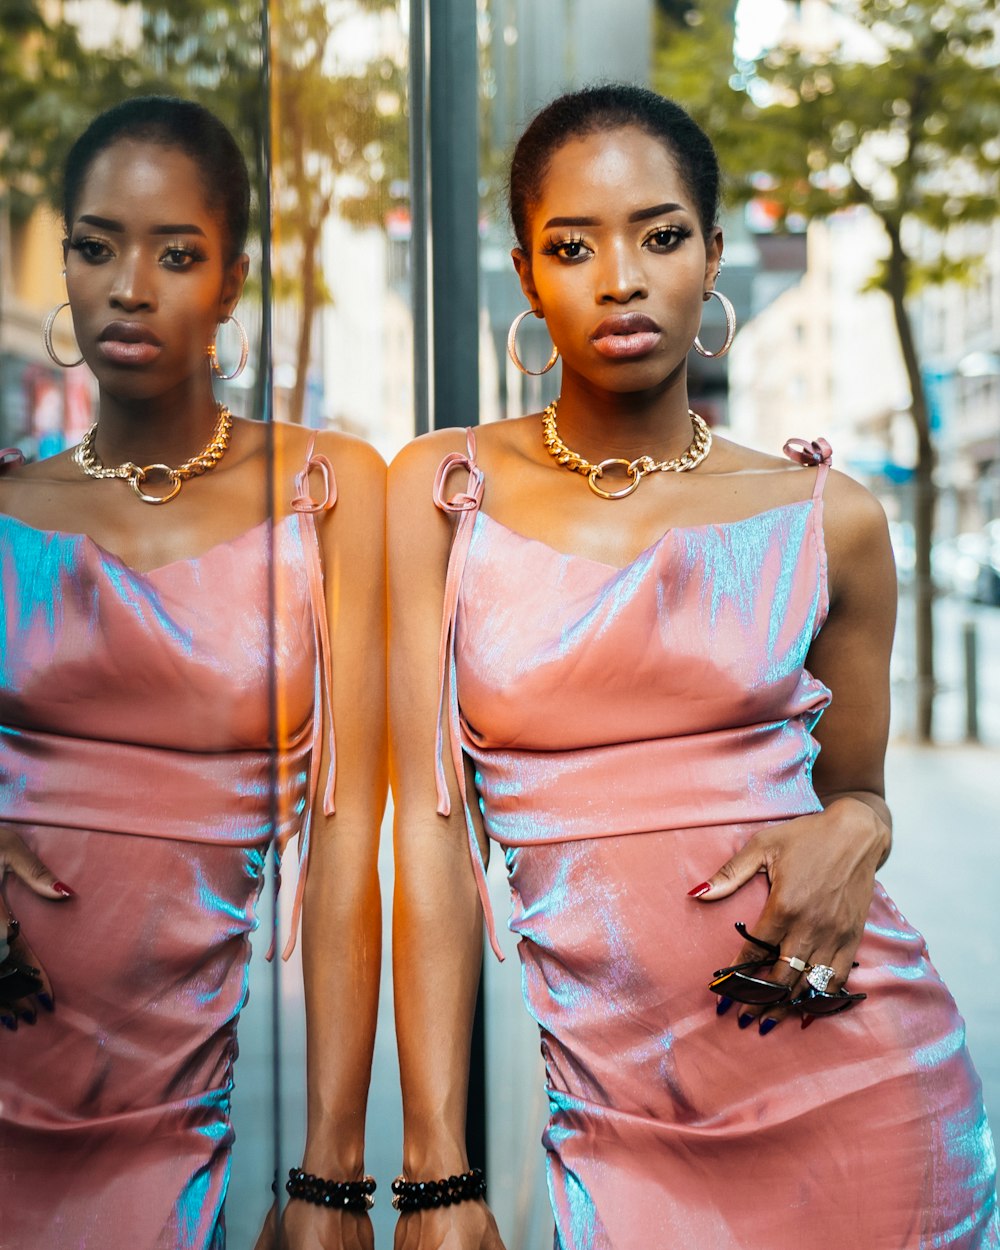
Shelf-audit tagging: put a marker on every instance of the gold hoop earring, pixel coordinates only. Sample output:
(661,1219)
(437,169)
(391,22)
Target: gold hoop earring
(244,351)
(730,312)
(47,326)
(512,348)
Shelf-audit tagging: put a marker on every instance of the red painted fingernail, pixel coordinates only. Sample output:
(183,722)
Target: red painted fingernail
(807,1020)
(64,890)
(699,890)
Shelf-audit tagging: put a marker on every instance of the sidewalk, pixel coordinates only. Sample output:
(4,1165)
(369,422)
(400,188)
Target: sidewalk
(944,874)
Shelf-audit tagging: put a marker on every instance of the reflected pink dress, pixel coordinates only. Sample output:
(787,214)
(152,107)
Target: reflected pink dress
(137,757)
(629,729)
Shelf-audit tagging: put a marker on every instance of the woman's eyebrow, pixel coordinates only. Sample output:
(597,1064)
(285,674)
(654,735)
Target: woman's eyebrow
(106,223)
(641,214)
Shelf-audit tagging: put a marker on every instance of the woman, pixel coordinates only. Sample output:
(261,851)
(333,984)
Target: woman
(632,677)
(162,722)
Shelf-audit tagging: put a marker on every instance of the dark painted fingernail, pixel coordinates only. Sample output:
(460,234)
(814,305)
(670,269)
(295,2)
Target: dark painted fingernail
(807,1020)
(699,890)
(766,1025)
(723,1005)
(28,1017)
(63,889)
(46,1001)
(9,1022)
(746,1020)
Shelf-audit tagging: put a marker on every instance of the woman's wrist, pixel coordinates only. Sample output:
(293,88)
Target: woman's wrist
(873,809)
(335,1156)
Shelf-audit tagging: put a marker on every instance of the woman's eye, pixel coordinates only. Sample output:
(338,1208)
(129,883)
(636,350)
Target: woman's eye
(178,257)
(666,239)
(566,249)
(91,249)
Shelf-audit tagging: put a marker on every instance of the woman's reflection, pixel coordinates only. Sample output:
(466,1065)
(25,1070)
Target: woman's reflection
(160,585)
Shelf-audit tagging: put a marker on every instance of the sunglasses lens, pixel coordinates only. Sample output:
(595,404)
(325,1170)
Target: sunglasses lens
(814,1003)
(751,990)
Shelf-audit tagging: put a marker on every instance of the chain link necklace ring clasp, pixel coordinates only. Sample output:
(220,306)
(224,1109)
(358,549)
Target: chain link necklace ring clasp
(86,458)
(637,469)
(632,468)
(138,477)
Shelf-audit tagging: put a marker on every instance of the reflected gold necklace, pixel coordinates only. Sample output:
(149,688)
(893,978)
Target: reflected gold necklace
(635,470)
(206,460)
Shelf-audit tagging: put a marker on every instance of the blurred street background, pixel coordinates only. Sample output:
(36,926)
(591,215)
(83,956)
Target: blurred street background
(862,228)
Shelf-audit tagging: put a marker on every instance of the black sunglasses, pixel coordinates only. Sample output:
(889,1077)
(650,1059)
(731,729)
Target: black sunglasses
(738,983)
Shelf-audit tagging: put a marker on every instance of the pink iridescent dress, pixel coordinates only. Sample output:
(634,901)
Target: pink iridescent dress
(629,730)
(139,757)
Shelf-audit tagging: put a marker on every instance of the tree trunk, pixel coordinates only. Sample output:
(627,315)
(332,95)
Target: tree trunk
(310,248)
(925,495)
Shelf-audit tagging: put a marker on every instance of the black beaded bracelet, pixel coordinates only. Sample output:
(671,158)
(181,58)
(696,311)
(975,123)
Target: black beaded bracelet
(420,1195)
(341,1195)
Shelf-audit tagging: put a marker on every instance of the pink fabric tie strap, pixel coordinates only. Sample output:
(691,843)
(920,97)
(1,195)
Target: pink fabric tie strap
(9,456)
(465,506)
(818,454)
(307,507)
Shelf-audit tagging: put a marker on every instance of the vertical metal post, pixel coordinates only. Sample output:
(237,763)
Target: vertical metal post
(445,210)
(970,652)
(265,394)
(454,163)
(420,218)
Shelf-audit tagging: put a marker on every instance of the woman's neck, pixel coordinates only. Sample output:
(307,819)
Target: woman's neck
(163,429)
(601,424)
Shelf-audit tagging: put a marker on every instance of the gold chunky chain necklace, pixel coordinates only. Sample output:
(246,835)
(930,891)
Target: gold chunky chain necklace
(90,462)
(636,469)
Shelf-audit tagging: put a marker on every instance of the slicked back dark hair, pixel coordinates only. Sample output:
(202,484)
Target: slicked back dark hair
(609,107)
(173,123)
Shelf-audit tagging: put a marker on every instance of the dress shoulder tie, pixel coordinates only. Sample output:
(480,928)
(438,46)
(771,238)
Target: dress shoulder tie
(464,506)
(818,453)
(308,508)
(10,456)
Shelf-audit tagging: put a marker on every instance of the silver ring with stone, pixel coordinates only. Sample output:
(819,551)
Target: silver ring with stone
(795,962)
(820,976)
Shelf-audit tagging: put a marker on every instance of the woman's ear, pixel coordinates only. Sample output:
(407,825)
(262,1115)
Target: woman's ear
(232,286)
(713,258)
(522,263)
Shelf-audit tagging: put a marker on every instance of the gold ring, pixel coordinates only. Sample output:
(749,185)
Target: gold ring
(795,962)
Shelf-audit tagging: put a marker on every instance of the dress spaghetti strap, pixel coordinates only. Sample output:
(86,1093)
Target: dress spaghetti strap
(818,453)
(465,506)
(307,508)
(10,456)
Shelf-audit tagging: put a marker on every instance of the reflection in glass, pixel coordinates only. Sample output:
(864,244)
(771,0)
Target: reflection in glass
(54,76)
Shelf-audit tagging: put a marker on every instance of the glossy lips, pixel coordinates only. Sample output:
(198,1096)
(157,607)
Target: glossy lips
(626,336)
(128,343)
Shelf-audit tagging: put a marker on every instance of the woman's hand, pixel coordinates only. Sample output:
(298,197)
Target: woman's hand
(822,873)
(466,1226)
(25,987)
(308,1227)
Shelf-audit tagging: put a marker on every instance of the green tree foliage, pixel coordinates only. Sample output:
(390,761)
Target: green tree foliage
(338,130)
(889,104)
(340,141)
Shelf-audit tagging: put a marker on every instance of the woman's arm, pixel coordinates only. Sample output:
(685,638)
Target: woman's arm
(341,914)
(437,917)
(822,867)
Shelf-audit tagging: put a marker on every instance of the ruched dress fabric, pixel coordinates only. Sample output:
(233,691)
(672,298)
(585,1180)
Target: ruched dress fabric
(629,730)
(139,759)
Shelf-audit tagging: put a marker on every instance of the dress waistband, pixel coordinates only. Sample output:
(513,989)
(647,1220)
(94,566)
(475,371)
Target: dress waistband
(224,799)
(734,776)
